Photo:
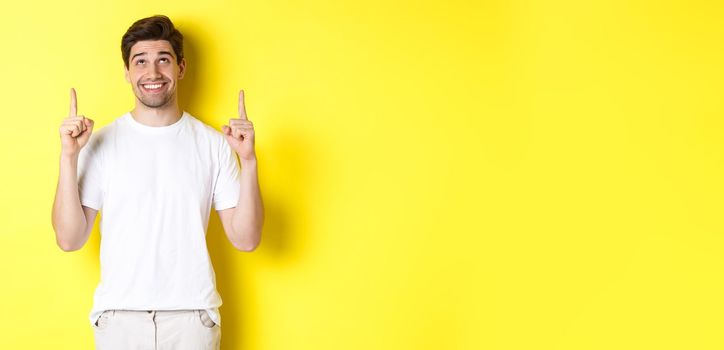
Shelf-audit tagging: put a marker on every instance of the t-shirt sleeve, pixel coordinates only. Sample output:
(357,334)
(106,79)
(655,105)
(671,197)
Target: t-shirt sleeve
(228,179)
(90,174)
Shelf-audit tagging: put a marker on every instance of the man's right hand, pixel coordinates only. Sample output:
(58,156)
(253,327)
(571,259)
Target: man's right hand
(75,130)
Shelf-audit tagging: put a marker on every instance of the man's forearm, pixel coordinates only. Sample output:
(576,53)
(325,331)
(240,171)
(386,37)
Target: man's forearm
(248,216)
(68,219)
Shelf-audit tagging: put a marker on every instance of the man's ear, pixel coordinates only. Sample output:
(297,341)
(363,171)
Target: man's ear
(182,68)
(126,74)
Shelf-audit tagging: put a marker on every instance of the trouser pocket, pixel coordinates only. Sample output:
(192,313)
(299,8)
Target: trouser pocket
(103,319)
(205,319)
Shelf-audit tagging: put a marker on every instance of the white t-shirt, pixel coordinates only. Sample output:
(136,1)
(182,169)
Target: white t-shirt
(155,187)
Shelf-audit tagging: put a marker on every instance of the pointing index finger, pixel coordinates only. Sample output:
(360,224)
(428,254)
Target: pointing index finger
(242,108)
(73,103)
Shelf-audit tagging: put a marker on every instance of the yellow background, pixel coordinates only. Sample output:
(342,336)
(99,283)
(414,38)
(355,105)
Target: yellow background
(436,175)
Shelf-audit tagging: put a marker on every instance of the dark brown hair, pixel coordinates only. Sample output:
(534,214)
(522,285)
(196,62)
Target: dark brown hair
(157,27)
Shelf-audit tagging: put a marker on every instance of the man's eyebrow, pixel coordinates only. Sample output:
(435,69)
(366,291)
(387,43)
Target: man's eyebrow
(159,53)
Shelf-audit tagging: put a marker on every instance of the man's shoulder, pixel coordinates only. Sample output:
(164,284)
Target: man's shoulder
(205,130)
(102,133)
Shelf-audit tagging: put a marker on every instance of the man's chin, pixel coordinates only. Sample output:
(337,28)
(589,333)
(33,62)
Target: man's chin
(154,103)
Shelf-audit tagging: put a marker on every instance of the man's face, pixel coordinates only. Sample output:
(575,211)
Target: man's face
(153,72)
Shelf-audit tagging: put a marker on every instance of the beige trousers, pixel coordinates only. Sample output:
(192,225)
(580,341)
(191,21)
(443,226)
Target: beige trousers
(156,330)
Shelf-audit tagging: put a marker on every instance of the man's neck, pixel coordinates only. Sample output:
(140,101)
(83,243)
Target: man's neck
(161,116)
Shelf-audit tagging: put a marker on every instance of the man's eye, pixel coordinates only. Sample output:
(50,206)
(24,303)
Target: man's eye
(164,60)
(140,62)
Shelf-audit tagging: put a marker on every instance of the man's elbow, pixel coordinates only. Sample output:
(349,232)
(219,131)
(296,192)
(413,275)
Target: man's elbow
(68,241)
(248,243)
(68,246)
(246,247)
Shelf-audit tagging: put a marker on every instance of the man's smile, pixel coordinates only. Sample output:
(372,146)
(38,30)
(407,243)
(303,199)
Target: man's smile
(153,87)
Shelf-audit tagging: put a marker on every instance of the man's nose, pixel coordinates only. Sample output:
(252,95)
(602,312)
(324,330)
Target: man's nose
(153,71)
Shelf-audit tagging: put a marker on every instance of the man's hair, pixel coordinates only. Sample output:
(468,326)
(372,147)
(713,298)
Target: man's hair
(157,27)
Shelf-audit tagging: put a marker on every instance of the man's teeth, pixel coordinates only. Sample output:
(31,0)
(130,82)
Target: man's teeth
(152,86)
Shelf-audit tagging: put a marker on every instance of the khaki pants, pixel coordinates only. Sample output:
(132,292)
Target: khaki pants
(156,330)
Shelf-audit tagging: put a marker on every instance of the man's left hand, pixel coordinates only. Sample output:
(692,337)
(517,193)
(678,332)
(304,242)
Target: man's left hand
(240,133)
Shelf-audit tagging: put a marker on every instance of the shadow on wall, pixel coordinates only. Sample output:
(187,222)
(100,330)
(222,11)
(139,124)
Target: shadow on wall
(194,68)
(283,241)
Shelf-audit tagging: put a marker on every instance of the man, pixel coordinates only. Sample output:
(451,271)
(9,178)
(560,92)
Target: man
(156,171)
